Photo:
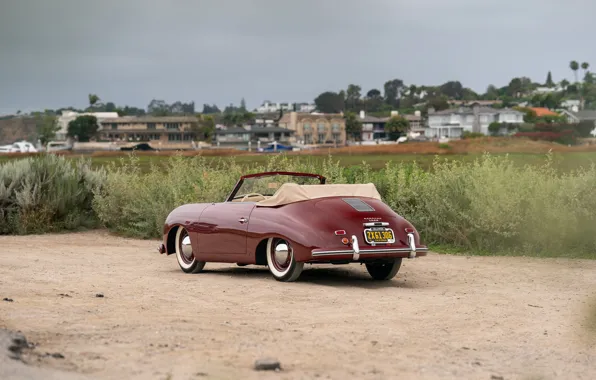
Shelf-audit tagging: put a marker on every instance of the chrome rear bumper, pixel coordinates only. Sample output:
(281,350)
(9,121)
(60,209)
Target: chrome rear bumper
(356,252)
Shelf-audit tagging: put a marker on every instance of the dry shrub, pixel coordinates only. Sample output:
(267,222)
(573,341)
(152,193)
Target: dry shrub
(490,205)
(496,206)
(47,193)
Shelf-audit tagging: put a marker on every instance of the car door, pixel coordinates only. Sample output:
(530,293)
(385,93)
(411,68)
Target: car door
(223,228)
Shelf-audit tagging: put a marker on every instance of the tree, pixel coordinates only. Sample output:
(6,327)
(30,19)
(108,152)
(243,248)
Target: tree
(393,90)
(353,126)
(110,107)
(491,93)
(330,102)
(549,80)
(353,97)
(83,128)
(494,128)
(584,128)
(585,67)
(514,87)
(453,90)
(396,126)
(373,100)
(564,84)
(47,126)
(574,66)
(204,128)
(438,103)
(207,109)
(180,108)
(93,99)
(158,107)
(374,93)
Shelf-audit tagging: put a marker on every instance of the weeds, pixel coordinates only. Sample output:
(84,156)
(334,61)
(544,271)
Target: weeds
(47,193)
(491,205)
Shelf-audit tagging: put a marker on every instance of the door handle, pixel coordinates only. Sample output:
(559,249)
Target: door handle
(242,220)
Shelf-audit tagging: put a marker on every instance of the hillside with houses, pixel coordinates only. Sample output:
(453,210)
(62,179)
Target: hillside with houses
(401,113)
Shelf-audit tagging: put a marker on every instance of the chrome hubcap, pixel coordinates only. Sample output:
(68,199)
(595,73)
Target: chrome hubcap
(186,248)
(282,254)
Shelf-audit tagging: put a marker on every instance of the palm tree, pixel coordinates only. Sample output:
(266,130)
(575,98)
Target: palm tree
(573,65)
(585,67)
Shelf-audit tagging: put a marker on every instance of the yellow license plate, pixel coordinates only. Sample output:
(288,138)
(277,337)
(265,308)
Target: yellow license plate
(379,236)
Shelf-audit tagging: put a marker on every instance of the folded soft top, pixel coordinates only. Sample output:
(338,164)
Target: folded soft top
(292,192)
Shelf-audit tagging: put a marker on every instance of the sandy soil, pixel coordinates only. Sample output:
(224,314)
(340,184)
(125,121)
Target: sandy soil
(442,317)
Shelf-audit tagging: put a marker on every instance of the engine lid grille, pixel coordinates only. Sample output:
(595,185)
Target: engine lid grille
(358,204)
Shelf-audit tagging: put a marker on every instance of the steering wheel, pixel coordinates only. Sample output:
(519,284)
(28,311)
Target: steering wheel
(249,194)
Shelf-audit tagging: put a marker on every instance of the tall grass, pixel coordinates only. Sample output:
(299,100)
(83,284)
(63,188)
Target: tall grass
(492,205)
(488,206)
(47,193)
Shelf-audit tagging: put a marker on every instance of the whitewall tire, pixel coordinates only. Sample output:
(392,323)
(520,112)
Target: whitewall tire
(184,253)
(281,261)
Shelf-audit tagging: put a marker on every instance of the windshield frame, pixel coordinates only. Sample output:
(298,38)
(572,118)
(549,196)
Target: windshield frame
(230,197)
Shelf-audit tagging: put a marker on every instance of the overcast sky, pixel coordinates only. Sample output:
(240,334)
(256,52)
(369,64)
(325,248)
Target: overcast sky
(53,53)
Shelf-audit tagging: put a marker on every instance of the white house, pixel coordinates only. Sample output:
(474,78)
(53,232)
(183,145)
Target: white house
(269,107)
(571,105)
(548,90)
(453,122)
(581,116)
(68,116)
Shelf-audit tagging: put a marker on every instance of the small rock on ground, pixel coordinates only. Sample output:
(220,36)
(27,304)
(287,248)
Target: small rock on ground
(267,364)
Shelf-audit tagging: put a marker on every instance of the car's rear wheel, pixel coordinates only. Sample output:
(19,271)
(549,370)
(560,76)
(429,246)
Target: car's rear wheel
(281,261)
(184,253)
(384,270)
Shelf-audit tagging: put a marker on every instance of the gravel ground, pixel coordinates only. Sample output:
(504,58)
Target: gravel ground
(106,307)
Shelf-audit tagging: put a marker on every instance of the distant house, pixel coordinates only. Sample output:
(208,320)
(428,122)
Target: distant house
(239,137)
(156,129)
(68,116)
(548,90)
(269,107)
(310,128)
(373,128)
(581,116)
(571,105)
(466,103)
(453,122)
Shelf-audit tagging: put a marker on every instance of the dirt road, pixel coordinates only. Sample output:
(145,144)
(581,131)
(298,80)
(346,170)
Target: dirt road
(442,317)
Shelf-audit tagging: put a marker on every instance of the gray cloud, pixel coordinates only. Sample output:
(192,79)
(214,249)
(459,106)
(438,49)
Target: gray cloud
(53,53)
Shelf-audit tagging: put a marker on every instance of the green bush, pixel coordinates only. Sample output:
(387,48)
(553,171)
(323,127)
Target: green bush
(490,205)
(136,204)
(47,193)
(494,206)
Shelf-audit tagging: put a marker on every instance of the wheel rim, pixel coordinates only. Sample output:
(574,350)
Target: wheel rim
(185,248)
(281,254)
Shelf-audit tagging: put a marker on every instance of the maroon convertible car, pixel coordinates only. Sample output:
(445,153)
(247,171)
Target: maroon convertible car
(284,220)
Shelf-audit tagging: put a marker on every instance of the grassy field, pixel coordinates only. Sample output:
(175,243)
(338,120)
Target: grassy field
(530,203)
(562,161)
(521,152)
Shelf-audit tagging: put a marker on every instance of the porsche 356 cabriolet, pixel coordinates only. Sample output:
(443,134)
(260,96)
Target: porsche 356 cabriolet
(284,220)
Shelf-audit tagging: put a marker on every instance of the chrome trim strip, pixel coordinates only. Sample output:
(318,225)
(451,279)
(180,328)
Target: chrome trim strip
(365,251)
(375,224)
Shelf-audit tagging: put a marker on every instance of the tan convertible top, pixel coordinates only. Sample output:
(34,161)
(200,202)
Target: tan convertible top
(292,192)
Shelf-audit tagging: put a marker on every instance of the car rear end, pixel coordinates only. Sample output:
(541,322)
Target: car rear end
(360,229)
